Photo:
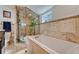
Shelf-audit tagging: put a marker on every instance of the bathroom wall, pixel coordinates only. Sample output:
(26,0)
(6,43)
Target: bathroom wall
(65,23)
(62,11)
(65,29)
(12,19)
(8,8)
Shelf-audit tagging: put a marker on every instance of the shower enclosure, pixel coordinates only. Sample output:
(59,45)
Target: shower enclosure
(27,22)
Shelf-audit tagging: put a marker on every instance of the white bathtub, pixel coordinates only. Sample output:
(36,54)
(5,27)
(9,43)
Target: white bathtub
(53,45)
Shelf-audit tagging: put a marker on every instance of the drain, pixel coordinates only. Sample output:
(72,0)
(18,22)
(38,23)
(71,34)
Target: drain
(25,51)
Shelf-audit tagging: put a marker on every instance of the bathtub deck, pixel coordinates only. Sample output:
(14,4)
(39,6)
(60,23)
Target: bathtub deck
(53,45)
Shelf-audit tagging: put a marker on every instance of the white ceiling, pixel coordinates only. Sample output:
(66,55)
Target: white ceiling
(39,9)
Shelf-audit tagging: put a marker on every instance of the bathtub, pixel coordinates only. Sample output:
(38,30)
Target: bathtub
(55,46)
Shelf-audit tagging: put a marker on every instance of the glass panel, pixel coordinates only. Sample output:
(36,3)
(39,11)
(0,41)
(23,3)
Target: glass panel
(27,21)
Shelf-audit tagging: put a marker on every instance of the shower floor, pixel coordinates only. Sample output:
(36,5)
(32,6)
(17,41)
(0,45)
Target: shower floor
(15,49)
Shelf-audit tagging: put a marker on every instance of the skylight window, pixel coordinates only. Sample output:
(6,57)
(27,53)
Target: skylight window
(47,16)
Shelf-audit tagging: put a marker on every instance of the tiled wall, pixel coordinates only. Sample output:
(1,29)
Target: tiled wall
(66,29)
(12,9)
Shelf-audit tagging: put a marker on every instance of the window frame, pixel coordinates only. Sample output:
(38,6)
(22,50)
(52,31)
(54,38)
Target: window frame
(49,12)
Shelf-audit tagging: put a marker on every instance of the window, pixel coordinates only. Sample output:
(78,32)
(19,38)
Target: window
(47,16)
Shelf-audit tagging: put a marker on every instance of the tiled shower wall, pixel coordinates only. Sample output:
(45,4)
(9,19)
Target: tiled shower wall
(66,29)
